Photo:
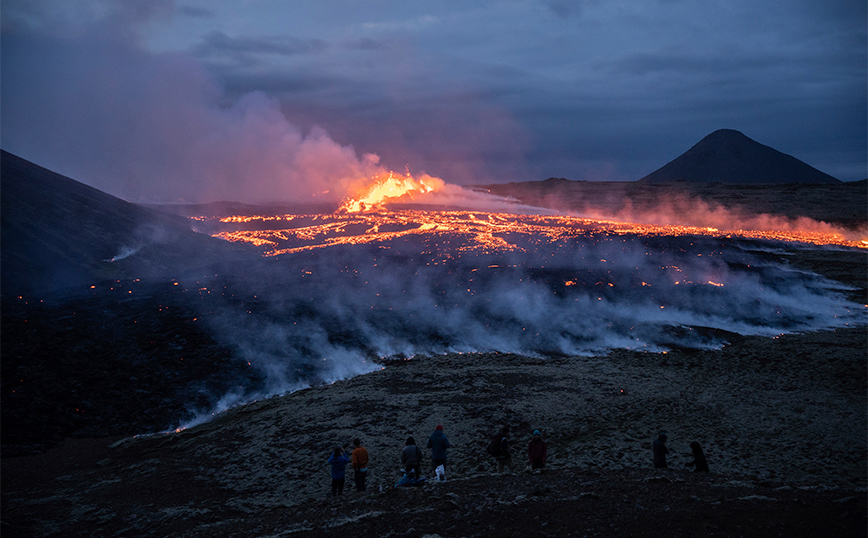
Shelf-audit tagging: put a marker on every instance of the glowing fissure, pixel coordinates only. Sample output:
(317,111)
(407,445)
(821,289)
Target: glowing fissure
(489,231)
(685,210)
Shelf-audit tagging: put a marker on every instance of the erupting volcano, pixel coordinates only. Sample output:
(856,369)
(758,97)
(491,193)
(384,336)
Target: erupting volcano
(290,228)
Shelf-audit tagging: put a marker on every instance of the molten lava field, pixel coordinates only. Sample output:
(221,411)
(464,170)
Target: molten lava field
(334,295)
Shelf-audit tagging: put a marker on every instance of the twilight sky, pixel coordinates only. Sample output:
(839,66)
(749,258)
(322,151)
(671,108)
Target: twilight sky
(274,100)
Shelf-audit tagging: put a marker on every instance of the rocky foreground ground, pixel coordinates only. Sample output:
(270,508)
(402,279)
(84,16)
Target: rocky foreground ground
(782,421)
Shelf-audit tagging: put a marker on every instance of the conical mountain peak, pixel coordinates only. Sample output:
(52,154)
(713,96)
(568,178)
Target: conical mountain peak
(728,156)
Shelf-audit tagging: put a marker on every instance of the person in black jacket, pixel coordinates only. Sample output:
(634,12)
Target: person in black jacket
(438,443)
(698,459)
(504,458)
(660,451)
(411,458)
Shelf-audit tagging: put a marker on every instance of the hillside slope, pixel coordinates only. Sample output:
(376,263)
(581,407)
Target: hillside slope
(58,233)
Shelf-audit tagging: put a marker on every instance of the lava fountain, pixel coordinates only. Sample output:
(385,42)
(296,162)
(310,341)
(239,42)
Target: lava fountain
(387,188)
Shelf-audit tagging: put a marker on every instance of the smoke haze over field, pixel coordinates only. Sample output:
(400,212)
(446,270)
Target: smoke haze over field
(687,211)
(154,100)
(331,313)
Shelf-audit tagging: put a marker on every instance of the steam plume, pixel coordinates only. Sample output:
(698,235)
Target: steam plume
(329,313)
(684,210)
(94,104)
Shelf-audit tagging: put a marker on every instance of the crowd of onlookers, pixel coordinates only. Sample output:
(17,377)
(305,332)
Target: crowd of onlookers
(499,448)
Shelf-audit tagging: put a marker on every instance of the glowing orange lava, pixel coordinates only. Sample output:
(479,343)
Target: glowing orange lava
(489,232)
(388,188)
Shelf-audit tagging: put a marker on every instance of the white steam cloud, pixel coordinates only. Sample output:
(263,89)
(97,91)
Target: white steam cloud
(332,313)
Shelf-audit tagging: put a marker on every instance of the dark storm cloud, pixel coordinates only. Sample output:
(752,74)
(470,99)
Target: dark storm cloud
(564,8)
(217,43)
(803,96)
(682,63)
(236,84)
(623,102)
(195,12)
(366,43)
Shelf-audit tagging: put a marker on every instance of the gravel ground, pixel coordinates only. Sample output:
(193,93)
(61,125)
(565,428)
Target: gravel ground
(782,422)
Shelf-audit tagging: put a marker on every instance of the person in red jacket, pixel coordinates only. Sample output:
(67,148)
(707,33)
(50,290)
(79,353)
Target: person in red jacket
(536,452)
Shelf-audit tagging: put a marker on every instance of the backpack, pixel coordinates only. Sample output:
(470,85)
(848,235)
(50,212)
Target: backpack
(494,447)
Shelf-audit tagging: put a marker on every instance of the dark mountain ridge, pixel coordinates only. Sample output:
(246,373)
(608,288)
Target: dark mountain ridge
(95,329)
(58,233)
(728,156)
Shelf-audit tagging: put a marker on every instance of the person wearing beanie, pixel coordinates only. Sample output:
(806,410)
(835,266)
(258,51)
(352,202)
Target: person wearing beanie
(536,452)
(438,443)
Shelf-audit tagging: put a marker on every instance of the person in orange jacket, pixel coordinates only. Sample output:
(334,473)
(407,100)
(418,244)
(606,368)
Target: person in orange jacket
(360,464)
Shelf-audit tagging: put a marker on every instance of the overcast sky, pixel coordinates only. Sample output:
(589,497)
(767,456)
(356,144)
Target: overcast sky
(270,99)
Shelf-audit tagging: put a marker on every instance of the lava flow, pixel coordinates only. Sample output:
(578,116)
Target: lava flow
(486,231)
(366,218)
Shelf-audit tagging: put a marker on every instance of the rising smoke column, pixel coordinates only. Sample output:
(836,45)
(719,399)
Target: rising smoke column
(89,100)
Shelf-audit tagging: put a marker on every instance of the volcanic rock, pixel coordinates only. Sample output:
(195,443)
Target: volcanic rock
(126,358)
(728,156)
(96,328)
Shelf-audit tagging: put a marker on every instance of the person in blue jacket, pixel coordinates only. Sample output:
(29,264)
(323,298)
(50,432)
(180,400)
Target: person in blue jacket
(338,461)
(438,443)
